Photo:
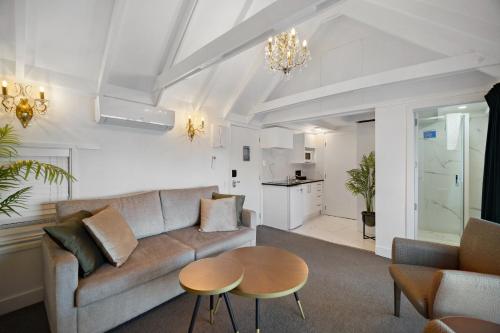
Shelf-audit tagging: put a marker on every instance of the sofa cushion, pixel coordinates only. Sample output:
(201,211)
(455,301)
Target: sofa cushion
(218,215)
(208,244)
(415,282)
(113,235)
(240,201)
(72,235)
(181,207)
(154,257)
(141,211)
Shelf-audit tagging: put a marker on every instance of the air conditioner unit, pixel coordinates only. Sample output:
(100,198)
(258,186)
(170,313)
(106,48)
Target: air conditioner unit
(114,111)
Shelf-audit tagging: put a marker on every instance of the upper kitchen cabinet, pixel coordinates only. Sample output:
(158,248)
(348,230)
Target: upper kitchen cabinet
(276,137)
(304,147)
(311,141)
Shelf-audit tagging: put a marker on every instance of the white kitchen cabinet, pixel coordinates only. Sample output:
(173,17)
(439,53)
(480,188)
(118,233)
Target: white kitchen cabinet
(276,137)
(297,209)
(313,199)
(287,207)
(311,140)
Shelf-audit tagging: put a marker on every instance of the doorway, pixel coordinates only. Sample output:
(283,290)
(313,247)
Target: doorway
(450,147)
(244,162)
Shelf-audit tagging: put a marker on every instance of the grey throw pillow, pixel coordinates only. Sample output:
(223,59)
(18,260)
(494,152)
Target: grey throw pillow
(113,235)
(71,234)
(240,200)
(218,215)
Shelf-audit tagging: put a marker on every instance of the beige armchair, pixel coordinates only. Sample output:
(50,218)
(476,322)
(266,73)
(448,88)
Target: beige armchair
(442,280)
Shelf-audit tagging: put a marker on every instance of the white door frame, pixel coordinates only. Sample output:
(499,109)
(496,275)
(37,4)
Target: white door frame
(411,148)
(258,155)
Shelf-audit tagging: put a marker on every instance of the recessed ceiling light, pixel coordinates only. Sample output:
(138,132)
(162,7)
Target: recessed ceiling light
(461,107)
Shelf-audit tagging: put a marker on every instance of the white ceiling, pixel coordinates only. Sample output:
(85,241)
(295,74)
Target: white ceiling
(126,48)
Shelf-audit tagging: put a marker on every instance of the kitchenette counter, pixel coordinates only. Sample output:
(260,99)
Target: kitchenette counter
(293,182)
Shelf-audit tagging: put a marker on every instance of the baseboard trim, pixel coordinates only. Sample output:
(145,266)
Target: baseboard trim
(21,300)
(383,251)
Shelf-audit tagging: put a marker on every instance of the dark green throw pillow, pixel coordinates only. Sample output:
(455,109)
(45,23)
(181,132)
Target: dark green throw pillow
(72,235)
(240,200)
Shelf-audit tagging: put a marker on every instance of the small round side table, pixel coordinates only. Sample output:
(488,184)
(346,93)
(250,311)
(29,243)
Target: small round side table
(209,277)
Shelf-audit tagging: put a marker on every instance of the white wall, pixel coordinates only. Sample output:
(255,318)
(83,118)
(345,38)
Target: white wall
(365,145)
(340,156)
(395,161)
(127,160)
(390,175)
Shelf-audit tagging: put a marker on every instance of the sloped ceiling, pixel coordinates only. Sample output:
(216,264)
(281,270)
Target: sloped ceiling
(122,47)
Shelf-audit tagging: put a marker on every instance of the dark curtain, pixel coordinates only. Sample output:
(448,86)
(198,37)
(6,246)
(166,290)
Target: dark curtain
(490,206)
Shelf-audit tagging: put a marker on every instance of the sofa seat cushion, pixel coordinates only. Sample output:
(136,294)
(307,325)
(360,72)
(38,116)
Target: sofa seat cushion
(415,282)
(208,244)
(154,257)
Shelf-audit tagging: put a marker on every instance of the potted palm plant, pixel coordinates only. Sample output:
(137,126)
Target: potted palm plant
(361,181)
(13,172)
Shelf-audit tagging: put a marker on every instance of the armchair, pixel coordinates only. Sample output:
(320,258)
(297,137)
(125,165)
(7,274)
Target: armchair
(442,280)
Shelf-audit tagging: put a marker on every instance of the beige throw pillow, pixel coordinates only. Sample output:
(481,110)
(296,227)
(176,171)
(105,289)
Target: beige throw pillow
(112,234)
(218,215)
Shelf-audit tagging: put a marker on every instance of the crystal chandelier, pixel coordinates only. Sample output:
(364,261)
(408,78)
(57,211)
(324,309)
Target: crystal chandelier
(22,104)
(285,53)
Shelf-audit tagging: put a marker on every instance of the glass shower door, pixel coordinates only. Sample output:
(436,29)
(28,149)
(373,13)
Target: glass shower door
(440,166)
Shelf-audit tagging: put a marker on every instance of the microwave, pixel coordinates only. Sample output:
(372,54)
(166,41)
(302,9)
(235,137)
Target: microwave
(309,156)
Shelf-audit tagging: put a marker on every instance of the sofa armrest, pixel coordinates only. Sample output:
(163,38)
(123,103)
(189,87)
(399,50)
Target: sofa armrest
(414,252)
(462,293)
(60,283)
(249,218)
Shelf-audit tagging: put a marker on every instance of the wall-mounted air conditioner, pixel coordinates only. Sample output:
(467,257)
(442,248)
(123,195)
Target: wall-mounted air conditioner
(114,111)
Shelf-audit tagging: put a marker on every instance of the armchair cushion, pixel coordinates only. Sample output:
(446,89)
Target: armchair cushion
(461,293)
(479,247)
(461,325)
(415,282)
(414,252)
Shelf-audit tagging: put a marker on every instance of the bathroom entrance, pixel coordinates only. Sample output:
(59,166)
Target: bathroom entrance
(450,148)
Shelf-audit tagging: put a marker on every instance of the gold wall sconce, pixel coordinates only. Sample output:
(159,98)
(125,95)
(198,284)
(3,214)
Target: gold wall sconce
(22,104)
(192,130)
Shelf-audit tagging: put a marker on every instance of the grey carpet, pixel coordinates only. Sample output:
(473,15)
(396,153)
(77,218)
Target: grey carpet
(349,290)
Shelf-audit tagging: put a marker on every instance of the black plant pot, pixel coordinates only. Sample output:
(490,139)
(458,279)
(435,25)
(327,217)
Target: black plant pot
(369,218)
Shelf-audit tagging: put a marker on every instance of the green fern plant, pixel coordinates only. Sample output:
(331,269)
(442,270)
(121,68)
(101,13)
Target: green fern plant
(362,181)
(13,173)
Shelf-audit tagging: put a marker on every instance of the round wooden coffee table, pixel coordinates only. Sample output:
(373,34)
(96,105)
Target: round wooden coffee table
(209,277)
(269,273)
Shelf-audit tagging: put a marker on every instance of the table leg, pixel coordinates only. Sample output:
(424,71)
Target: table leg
(257,329)
(195,313)
(217,303)
(211,309)
(230,310)
(299,304)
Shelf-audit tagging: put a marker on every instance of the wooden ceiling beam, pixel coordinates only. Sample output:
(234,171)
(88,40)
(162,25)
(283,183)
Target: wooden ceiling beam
(276,17)
(465,62)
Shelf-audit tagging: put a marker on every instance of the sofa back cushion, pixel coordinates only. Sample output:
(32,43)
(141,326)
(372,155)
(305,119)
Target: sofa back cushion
(479,247)
(141,211)
(181,207)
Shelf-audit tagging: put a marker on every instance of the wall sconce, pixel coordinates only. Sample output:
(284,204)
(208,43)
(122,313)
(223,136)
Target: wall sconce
(192,131)
(22,103)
